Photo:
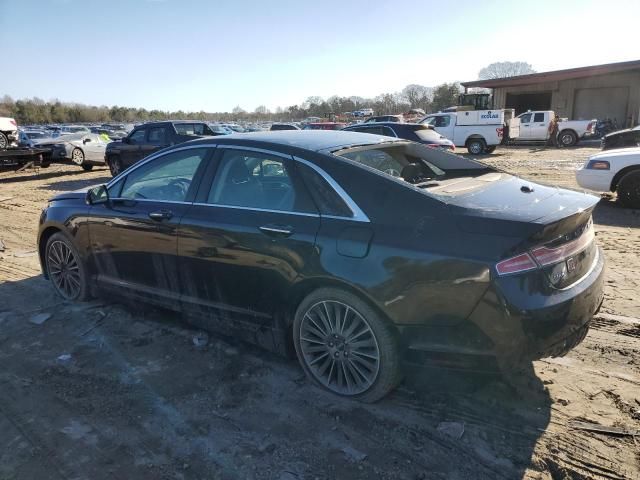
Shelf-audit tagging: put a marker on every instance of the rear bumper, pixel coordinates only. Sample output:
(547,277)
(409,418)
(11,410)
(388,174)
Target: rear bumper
(550,323)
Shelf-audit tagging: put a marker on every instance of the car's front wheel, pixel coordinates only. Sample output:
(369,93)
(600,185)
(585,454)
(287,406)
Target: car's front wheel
(65,268)
(345,346)
(629,189)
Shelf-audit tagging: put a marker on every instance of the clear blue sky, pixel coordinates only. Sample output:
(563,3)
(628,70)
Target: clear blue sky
(213,55)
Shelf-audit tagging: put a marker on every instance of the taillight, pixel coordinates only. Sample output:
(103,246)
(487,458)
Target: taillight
(13,122)
(543,256)
(590,127)
(517,264)
(548,256)
(500,132)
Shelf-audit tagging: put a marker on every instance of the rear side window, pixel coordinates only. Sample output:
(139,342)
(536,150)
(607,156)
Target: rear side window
(538,117)
(157,136)
(192,129)
(325,197)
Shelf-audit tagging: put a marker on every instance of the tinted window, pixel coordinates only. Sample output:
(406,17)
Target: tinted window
(325,197)
(192,129)
(257,180)
(538,117)
(137,136)
(157,136)
(165,178)
(526,118)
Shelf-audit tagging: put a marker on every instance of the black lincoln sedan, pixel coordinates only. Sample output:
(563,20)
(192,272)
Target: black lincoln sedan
(360,253)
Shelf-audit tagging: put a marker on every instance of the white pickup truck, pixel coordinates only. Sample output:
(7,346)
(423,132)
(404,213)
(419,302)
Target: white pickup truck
(534,126)
(480,131)
(8,133)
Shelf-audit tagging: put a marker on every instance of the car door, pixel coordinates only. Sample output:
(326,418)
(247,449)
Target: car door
(539,126)
(157,138)
(130,148)
(525,126)
(94,147)
(246,240)
(133,236)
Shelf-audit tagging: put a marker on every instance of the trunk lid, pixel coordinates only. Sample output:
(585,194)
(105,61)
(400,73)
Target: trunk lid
(551,224)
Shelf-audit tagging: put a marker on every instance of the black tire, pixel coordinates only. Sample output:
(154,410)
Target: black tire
(4,141)
(567,138)
(629,190)
(476,146)
(87,167)
(377,377)
(77,156)
(490,149)
(61,251)
(115,165)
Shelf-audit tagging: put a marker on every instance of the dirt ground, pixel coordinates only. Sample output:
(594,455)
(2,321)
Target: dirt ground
(100,390)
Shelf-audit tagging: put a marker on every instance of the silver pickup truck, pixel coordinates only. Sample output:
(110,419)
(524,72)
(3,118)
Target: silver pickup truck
(534,126)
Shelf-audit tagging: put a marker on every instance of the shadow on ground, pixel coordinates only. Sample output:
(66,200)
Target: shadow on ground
(104,391)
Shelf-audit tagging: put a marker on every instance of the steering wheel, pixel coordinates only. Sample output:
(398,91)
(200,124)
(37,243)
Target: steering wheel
(393,172)
(182,184)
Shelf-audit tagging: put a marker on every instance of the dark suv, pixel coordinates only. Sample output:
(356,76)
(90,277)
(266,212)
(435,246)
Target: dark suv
(416,132)
(151,137)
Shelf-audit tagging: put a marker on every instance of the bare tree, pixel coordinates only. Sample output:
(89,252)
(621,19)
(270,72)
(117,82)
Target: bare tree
(505,69)
(418,96)
(261,110)
(238,110)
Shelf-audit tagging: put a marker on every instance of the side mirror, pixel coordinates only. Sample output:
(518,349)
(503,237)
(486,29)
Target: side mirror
(97,195)
(85,141)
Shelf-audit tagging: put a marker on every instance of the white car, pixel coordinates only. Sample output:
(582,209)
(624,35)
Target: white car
(8,132)
(614,171)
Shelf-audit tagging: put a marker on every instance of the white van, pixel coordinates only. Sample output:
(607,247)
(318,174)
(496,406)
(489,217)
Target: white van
(480,131)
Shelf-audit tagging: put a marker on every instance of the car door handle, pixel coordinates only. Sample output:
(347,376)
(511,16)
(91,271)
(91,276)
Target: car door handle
(277,230)
(541,124)
(160,215)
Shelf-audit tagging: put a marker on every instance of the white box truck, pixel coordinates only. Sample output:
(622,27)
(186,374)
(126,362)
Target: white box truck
(479,131)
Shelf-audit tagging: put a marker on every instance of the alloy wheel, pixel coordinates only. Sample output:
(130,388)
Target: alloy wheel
(4,141)
(64,270)
(339,348)
(77,156)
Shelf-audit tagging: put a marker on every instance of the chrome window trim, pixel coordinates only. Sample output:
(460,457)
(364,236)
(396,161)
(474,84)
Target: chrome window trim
(358,214)
(256,209)
(149,200)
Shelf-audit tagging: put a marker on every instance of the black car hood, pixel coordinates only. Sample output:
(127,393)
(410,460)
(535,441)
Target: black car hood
(73,195)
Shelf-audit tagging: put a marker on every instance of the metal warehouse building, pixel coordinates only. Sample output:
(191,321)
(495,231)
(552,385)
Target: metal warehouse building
(600,91)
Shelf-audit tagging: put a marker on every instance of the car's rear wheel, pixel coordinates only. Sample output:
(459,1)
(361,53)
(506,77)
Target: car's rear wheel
(77,156)
(345,346)
(65,268)
(115,165)
(567,138)
(476,146)
(87,167)
(629,190)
